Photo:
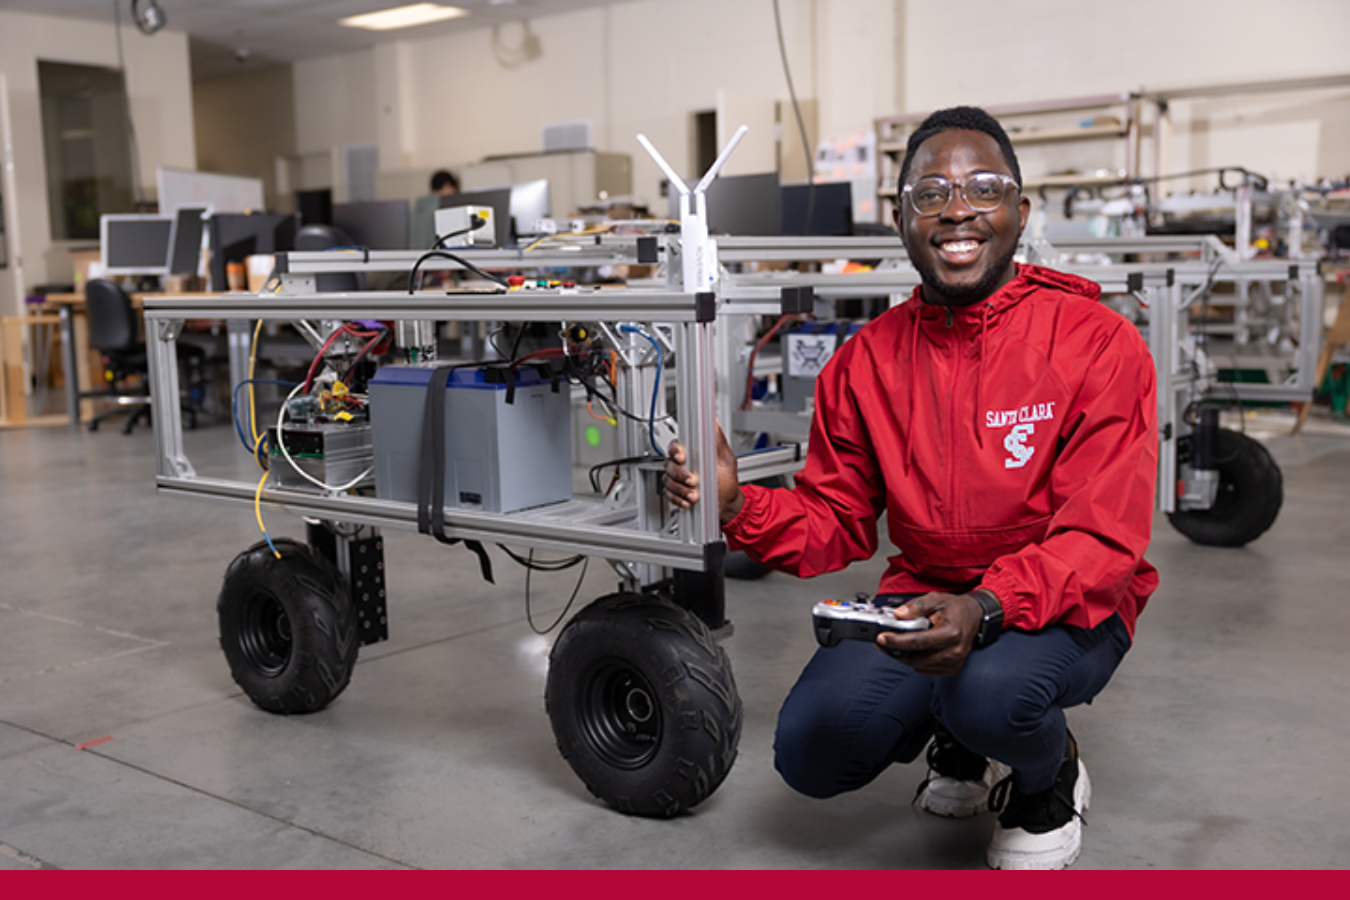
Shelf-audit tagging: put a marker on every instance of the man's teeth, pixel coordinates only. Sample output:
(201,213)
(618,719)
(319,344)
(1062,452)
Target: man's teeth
(960,246)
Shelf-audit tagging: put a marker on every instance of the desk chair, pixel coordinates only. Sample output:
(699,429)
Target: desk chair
(113,328)
(327,237)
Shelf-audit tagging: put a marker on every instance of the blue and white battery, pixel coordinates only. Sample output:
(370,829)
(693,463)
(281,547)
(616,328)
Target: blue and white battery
(806,350)
(499,456)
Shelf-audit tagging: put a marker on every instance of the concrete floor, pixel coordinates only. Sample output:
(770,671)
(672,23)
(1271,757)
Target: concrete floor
(1219,744)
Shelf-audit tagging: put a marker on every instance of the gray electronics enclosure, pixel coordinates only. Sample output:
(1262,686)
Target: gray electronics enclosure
(330,452)
(499,456)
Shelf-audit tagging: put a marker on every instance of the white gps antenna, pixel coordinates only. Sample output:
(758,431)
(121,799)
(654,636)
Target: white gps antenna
(699,253)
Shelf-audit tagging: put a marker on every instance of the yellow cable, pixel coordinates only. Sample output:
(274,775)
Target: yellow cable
(561,236)
(252,361)
(257,512)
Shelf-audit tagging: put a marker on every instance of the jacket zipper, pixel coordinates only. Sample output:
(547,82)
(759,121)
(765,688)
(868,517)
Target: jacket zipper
(951,424)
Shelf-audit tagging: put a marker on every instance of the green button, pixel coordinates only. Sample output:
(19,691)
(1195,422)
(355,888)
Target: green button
(592,436)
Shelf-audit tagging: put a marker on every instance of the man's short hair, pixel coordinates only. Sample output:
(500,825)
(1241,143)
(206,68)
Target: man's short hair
(966,118)
(443,179)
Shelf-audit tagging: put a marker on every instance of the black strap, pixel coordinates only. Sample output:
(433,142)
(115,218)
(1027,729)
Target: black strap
(431,471)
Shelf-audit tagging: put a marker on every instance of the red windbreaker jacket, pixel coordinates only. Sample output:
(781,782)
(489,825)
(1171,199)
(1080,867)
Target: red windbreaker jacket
(1012,444)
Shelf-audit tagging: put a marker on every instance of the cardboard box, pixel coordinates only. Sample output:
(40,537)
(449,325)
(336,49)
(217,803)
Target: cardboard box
(82,260)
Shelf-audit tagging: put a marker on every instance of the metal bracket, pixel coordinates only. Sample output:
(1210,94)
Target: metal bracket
(360,559)
(368,588)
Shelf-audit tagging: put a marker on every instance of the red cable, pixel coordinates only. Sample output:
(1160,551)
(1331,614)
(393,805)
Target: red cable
(750,373)
(346,328)
(549,352)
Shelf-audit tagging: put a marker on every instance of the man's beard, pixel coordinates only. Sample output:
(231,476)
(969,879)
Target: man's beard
(963,295)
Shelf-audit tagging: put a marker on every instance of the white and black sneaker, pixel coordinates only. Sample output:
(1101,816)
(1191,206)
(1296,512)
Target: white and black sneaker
(959,780)
(1043,830)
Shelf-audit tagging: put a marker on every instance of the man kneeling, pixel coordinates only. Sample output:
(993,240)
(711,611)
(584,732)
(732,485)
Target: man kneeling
(1005,421)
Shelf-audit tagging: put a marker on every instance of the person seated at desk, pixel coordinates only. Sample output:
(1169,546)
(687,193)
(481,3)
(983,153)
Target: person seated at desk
(444,183)
(423,232)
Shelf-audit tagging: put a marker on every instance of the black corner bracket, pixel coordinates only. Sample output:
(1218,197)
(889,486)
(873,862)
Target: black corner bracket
(705,306)
(646,250)
(797,301)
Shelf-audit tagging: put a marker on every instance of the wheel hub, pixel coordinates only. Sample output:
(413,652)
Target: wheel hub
(266,635)
(620,715)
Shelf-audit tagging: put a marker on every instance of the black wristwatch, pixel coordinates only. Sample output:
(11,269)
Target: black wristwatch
(991,617)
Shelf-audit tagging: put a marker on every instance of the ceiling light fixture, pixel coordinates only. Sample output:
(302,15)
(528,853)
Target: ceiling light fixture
(404,17)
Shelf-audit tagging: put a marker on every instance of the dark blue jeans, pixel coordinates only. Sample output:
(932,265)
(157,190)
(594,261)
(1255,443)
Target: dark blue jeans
(854,710)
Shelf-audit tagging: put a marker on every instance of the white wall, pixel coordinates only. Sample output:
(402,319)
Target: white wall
(648,65)
(1044,49)
(336,105)
(335,102)
(244,123)
(1050,49)
(645,66)
(160,89)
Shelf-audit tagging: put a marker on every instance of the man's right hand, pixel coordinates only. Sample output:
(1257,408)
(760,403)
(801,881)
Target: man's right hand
(682,485)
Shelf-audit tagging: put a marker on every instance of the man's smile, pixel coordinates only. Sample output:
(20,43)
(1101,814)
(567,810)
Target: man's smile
(959,250)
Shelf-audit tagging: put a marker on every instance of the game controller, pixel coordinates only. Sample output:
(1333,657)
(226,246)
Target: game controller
(860,619)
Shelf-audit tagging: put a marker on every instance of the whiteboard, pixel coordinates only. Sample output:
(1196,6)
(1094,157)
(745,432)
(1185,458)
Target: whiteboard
(215,193)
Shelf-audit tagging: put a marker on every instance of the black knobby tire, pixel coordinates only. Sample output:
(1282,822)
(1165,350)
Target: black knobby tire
(1251,491)
(288,627)
(643,704)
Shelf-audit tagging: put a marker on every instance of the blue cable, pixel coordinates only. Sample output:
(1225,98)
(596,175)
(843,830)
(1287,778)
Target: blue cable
(656,389)
(234,408)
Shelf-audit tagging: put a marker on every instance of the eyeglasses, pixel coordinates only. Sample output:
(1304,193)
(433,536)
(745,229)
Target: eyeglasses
(984,192)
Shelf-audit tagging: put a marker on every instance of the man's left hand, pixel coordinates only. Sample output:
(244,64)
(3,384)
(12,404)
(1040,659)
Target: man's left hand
(942,649)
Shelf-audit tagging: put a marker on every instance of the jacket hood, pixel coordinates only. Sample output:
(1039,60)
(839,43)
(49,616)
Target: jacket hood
(1063,281)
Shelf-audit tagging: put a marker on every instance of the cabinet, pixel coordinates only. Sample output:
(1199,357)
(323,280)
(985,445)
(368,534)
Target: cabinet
(1060,143)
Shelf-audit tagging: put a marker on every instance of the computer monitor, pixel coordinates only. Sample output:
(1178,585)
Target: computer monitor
(422,222)
(315,207)
(185,247)
(529,204)
(497,198)
(831,213)
(377,225)
(744,205)
(235,237)
(135,244)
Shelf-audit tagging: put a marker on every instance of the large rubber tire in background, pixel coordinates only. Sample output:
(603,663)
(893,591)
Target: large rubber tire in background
(288,627)
(643,704)
(1251,491)
(740,566)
